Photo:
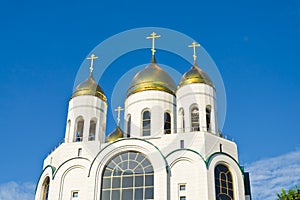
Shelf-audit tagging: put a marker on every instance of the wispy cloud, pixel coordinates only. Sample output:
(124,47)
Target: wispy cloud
(269,176)
(16,191)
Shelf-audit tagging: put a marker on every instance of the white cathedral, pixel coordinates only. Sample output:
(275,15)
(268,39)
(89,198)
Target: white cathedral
(170,148)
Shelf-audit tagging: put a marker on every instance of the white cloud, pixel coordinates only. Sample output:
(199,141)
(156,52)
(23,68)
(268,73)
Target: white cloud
(17,191)
(269,176)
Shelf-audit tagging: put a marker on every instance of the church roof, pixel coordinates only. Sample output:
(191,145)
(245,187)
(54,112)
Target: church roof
(116,134)
(152,77)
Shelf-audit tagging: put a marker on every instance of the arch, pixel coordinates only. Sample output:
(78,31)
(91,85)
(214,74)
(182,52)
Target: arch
(92,130)
(223,182)
(128,130)
(167,123)
(195,120)
(181,120)
(208,118)
(45,188)
(128,175)
(78,133)
(146,123)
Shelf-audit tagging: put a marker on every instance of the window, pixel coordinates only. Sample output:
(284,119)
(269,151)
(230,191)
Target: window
(128,126)
(181,120)
(128,176)
(182,198)
(68,129)
(45,188)
(146,123)
(181,144)
(223,183)
(79,152)
(167,123)
(75,194)
(79,130)
(182,187)
(92,131)
(208,118)
(195,119)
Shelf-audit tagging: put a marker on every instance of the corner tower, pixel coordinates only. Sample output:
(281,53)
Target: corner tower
(87,111)
(196,101)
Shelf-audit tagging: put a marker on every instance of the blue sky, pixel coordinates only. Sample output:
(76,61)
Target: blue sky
(42,45)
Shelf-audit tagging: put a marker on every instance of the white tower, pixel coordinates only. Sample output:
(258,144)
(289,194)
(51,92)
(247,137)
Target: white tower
(196,101)
(86,120)
(150,105)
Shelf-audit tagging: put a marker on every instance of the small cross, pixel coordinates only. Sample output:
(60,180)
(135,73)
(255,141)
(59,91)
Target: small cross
(119,109)
(153,37)
(194,45)
(92,58)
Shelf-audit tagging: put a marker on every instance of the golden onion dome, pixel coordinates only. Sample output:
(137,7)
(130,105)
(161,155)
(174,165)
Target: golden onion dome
(115,135)
(89,87)
(195,75)
(152,77)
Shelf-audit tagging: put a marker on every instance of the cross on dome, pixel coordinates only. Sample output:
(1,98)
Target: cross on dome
(194,45)
(92,58)
(153,36)
(119,109)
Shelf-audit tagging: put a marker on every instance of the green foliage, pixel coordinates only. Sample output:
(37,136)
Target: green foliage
(292,194)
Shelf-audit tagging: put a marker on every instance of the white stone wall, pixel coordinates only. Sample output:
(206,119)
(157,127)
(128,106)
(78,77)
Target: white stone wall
(88,107)
(201,95)
(157,102)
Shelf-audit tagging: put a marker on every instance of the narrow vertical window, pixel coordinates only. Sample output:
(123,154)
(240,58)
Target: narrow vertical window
(128,126)
(92,131)
(68,129)
(195,125)
(223,183)
(208,118)
(79,130)
(167,123)
(45,188)
(146,123)
(181,120)
(79,152)
(181,144)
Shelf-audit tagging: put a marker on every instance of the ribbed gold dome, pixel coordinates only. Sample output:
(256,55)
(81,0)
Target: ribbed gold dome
(89,87)
(152,77)
(116,134)
(195,75)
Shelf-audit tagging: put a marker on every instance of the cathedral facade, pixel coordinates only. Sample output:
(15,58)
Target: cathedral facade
(169,148)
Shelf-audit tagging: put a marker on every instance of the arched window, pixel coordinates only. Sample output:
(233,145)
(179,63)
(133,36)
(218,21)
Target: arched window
(167,123)
(195,125)
(181,120)
(223,183)
(68,130)
(128,176)
(45,188)
(128,126)
(92,132)
(79,130)
(208,118)
(146,123)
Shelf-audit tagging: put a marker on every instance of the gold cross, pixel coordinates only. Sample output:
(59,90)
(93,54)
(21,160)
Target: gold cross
(92,58)
(119,109)
(153,37)
(194,45)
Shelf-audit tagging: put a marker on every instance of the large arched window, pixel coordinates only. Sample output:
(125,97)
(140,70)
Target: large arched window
(128,126)
(92,131)
(146,123)
(223,183)
(195,125)
(45,188)
(181,120)
(128,176)
(208,118)
(79,130)
(167,123)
